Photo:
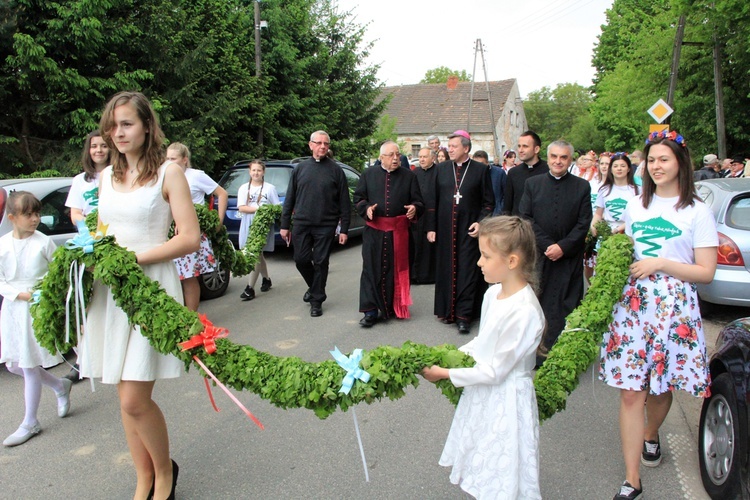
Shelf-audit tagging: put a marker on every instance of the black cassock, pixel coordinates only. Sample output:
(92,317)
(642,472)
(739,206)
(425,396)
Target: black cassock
(391,191)
(560,211)
(459,284)
(423,267)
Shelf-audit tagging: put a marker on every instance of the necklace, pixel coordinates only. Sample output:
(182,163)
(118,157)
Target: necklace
(457,197)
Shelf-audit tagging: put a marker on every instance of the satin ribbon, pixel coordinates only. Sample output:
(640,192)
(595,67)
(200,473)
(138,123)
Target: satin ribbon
(351,365)
(83,240)
(207,338)
(401,292)
(36,297)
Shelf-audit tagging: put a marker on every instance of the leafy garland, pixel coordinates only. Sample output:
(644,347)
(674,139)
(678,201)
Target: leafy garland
(578,346)
(290,382)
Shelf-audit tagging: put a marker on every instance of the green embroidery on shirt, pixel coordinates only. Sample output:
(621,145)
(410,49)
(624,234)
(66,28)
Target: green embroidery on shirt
(654,229)
(92,197)
(616,207)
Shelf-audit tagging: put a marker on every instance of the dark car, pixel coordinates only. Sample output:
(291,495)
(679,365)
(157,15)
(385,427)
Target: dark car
(724,446)
(278,173)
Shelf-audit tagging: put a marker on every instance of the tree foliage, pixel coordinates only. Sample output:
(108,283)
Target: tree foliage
(563,113)
(60,62)
(633,61)
(441,74)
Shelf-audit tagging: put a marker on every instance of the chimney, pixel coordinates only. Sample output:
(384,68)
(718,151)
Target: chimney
(452,82)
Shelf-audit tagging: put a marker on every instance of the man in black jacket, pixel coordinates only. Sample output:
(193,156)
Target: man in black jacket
(318,196)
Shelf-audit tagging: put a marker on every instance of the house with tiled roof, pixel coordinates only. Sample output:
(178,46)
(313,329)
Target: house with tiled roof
(439,109)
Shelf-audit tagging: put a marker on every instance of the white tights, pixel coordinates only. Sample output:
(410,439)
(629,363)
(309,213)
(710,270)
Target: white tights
(34,378)
(260,269)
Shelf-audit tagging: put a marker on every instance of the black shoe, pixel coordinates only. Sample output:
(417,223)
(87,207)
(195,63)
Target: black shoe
(629,492)
(175,473)
(316,310)
(248,294)
(307,296)
(265,285)
(463,327)
(368,320)
(651,456)
(74,375)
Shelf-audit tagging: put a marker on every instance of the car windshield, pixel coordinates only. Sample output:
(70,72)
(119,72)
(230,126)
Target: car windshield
(278,176)
(738,214)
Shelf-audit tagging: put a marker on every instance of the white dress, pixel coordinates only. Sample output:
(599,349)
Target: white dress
(248,195)
(22,264)
(113,349)
(493,443)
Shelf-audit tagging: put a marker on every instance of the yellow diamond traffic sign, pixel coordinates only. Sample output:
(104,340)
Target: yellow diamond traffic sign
(660,111)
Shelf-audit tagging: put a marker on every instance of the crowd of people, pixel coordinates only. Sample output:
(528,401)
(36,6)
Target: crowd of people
(501,242)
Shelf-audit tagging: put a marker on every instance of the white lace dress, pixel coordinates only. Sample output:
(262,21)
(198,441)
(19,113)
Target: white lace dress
(113,349)
(493,443)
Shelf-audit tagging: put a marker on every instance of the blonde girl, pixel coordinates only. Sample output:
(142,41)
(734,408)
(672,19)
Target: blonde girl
(250,197)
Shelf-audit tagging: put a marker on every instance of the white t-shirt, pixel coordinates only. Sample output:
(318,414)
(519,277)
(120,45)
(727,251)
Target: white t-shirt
(201,185)
(83,195)
(267,191)
(614,203)
(595,186)
(662,231)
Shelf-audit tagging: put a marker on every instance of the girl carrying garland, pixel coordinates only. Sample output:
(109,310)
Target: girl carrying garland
(655,343)
(493,443)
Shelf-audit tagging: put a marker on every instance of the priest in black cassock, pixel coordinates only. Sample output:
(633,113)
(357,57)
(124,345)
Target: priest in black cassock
(423,266)
(387,197)
(462,197)
(559,207)
(529,145)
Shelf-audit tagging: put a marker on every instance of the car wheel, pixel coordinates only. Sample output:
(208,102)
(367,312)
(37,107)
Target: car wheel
(719,446)
(214,284)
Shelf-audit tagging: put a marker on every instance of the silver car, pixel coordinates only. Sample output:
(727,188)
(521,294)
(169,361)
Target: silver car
(729,200)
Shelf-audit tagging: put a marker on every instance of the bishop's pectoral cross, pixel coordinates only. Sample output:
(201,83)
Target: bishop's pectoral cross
(457,197)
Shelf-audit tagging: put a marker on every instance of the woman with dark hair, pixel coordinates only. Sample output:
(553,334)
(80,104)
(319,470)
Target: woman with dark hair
(83,196)
(139,197)
(655,343)
(509,160)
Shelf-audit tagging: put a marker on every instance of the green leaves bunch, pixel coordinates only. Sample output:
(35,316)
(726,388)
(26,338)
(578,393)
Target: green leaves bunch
(578,345)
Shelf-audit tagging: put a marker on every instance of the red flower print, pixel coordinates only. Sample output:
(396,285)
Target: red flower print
(635,303)
(683,331)
(642,354)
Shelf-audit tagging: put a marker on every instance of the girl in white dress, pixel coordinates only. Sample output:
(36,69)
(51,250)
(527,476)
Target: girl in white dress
(192,265)
(655,343)
(25,254)
(139,197)
(493,443)
(250,197)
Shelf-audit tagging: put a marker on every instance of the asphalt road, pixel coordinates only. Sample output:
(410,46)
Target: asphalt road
(224,455)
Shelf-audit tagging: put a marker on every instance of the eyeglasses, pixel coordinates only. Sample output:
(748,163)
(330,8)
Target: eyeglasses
(320,143)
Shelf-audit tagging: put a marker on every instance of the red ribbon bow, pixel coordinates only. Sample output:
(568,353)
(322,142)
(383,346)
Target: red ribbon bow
(207,338)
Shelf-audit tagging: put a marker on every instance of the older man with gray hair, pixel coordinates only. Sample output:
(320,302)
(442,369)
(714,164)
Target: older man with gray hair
(559,207)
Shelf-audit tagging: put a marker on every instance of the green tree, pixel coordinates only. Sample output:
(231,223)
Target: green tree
(563,113)
(441,74)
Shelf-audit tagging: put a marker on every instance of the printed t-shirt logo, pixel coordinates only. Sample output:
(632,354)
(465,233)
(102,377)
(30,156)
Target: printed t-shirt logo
(652,230)
(92,197)
(616,207)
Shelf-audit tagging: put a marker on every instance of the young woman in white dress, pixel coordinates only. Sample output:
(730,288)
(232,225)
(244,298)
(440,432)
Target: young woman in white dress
(139,196)
(493,443)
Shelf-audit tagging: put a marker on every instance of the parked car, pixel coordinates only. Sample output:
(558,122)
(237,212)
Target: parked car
(278,173)
(724,431)
(729,199)
(56,223)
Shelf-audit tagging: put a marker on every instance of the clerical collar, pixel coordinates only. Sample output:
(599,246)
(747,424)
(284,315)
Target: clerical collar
(462,163)
(558,178)
(532,166)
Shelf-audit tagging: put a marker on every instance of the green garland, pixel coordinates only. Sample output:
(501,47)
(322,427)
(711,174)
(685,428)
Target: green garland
(289,382)
(579,344)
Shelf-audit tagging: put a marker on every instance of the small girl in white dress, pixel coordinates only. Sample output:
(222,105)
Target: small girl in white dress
(493,443)
(25,254)
(250,197)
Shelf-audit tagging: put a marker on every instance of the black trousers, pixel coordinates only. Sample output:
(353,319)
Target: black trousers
(312,251)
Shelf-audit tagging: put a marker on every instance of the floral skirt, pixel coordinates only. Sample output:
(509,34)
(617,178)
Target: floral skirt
(194,264)
(655,341)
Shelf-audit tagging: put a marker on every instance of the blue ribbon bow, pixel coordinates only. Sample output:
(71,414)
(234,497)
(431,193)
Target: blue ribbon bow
(351,365)
(83,239)
(36,296)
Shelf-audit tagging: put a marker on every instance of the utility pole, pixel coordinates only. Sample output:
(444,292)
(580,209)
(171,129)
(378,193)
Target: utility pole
(721,132)
(676,50)
(479,49)
(257,60)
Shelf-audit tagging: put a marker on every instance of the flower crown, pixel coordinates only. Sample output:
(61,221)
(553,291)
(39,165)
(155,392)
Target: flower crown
(663,134)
